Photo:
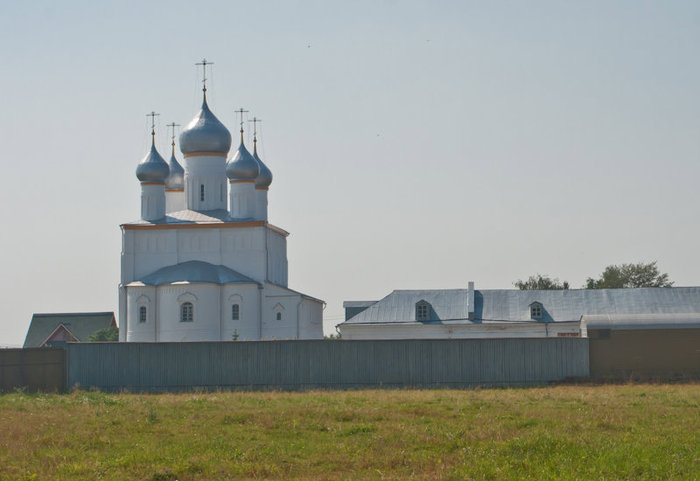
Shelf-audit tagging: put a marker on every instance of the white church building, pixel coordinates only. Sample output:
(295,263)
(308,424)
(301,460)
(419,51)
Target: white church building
(203,263)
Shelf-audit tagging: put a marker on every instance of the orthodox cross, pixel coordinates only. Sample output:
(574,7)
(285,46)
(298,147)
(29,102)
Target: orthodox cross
(153,116)
(241,111)
(255,133)
(172,126)
(204,64)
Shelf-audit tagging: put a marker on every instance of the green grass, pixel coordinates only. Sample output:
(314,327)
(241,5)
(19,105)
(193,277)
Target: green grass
(635,432)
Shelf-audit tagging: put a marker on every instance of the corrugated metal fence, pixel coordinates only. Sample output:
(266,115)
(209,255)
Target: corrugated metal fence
(33,369)
(156,367)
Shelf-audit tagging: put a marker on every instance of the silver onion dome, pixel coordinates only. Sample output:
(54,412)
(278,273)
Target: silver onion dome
(176,179)
(205,133)
(264,178)
(152,168)
(242,166)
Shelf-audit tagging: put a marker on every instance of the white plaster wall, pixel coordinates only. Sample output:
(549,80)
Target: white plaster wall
(247,296)
(457,331)
(209,171)
(152,201)
(241,249)
(174,201)
(277,267)
(136,297)
(206,299)
(311,319)
(261,204)
(242,200)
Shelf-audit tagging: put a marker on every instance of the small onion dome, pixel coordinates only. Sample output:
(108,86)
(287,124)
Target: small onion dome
(264,178)
(205,133)
(176,179)
(242,165)
(152,168)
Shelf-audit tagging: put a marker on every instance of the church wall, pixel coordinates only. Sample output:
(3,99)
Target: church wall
(277,258)
(210,172)
(240,249)
(285,303)
(243,250)
(247,327)
(136,298)
(205,299)
(311,319)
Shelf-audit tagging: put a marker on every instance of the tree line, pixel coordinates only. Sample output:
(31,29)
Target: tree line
(641,274)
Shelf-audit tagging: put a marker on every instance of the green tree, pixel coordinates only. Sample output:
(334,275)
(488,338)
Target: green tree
(108,334)
(540,282)
(630,275)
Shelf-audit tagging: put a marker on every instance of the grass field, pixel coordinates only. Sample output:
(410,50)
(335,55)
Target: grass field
(635,432)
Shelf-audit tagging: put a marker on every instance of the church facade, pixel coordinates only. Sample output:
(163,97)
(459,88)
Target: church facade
(203,263)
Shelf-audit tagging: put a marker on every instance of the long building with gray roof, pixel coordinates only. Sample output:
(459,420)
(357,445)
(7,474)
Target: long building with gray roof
(465,313)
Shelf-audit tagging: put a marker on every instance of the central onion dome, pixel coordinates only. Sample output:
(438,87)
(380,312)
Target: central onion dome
(242,166)
(205,133)
(264,178)
(152,168)
(176,179)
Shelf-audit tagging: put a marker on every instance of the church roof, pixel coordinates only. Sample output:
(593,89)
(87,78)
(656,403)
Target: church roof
(514,305)
(193,272)
(80,324)
(192,217)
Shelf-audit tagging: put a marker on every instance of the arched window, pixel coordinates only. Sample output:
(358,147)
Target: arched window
(235,312)
(142,314)
(279,316)
(422,311)
(186,312)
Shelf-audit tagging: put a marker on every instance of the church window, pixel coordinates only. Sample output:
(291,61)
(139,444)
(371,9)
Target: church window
(186,312)
(235,312)
(201,192)
(535,310)
(279,316)
(142,314)
(422,311)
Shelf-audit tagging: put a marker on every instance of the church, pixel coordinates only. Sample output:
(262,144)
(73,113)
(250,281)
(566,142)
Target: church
(203,263)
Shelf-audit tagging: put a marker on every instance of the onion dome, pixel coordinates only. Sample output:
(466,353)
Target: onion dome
(176,179)
(242,166)
(152,168)
(205,133)
(264,178)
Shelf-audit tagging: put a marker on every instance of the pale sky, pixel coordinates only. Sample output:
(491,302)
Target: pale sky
(414,144)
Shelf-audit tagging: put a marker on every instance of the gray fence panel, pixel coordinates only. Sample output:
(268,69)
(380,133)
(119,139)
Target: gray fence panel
(326,364)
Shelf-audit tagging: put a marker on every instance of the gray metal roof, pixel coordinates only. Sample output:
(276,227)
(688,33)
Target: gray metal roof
(194,272)
(514,305)
(185,217)
(80,324)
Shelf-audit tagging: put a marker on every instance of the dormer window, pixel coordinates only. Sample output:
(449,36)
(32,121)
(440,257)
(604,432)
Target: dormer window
(422,311)
(536,310)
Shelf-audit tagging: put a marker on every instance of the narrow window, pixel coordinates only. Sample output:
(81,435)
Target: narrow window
(235,312)
(279,316)
(201,192)
(422,311)
(186,312)
(142,314)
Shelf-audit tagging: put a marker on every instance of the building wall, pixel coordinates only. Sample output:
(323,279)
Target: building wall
(299,317)
(256,252)
(648,354)
(418,330)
